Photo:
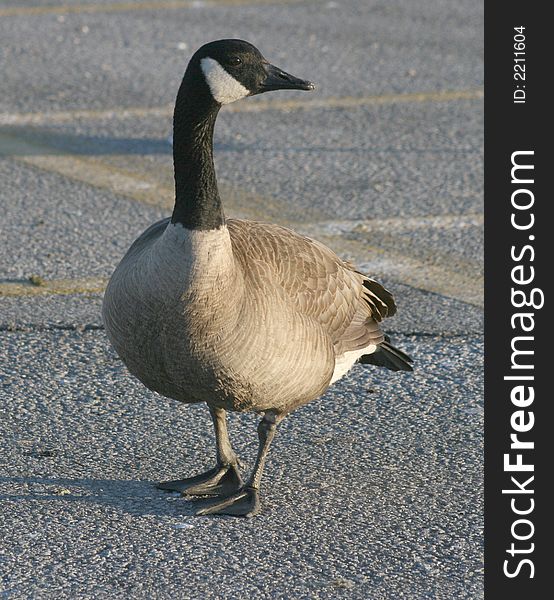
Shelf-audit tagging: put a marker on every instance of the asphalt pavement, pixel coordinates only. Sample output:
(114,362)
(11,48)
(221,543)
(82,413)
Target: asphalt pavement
(375,490)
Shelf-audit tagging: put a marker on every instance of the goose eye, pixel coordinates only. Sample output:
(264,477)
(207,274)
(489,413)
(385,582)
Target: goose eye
(235,61)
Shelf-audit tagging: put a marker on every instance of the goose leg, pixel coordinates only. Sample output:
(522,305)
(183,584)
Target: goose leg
(224,478)
(246,501)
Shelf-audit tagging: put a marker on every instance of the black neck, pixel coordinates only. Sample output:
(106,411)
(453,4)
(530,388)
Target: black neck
(197,201)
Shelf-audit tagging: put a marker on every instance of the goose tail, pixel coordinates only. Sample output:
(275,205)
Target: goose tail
(388,356)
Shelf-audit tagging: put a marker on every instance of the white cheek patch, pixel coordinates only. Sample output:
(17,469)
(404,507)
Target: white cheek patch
(224,87)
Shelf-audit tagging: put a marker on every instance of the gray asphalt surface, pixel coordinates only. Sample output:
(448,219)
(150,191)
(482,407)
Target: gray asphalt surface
(375,490)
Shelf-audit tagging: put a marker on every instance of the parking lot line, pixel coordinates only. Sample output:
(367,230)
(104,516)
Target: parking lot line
(18,11)
(86,170)
(54,287)
(378,263)
(399,266)
(356,101)
(143,188)
(53,117)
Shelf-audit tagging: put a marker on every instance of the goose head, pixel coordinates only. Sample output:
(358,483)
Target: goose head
(218,73)
(234,69)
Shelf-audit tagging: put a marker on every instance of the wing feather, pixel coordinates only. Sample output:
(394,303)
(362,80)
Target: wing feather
(346,303)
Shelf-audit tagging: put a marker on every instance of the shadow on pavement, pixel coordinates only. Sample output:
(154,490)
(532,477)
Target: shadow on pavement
(137,498)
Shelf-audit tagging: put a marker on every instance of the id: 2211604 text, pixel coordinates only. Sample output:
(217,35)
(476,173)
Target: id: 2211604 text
(519,65)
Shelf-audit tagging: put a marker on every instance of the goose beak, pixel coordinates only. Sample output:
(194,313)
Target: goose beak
(279,80)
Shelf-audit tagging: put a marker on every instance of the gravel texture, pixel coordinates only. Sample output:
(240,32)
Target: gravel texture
(372,492)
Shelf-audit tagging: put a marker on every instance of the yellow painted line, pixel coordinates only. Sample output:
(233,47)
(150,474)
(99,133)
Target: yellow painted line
(56,287)
(445,221)
(356,101)
(140,187)
(67,116)
(20,11)
(420,274)
(379,263)
(86,170)
(257,106)
(144,188)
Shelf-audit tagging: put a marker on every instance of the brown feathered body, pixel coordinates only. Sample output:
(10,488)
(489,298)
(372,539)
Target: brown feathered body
(246,317)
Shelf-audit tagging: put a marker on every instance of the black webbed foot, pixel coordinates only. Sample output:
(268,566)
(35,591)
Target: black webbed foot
(221,480)
(244,503)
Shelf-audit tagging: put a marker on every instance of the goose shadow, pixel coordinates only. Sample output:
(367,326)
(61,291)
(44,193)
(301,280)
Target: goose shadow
(40,141)
(137,498)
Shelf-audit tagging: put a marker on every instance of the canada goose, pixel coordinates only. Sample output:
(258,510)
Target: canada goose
(244,316)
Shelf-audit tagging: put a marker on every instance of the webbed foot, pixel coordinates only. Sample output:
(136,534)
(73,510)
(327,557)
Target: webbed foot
(221,480)
(244,503)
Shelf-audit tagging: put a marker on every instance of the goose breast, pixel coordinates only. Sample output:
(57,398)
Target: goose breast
(212,322)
